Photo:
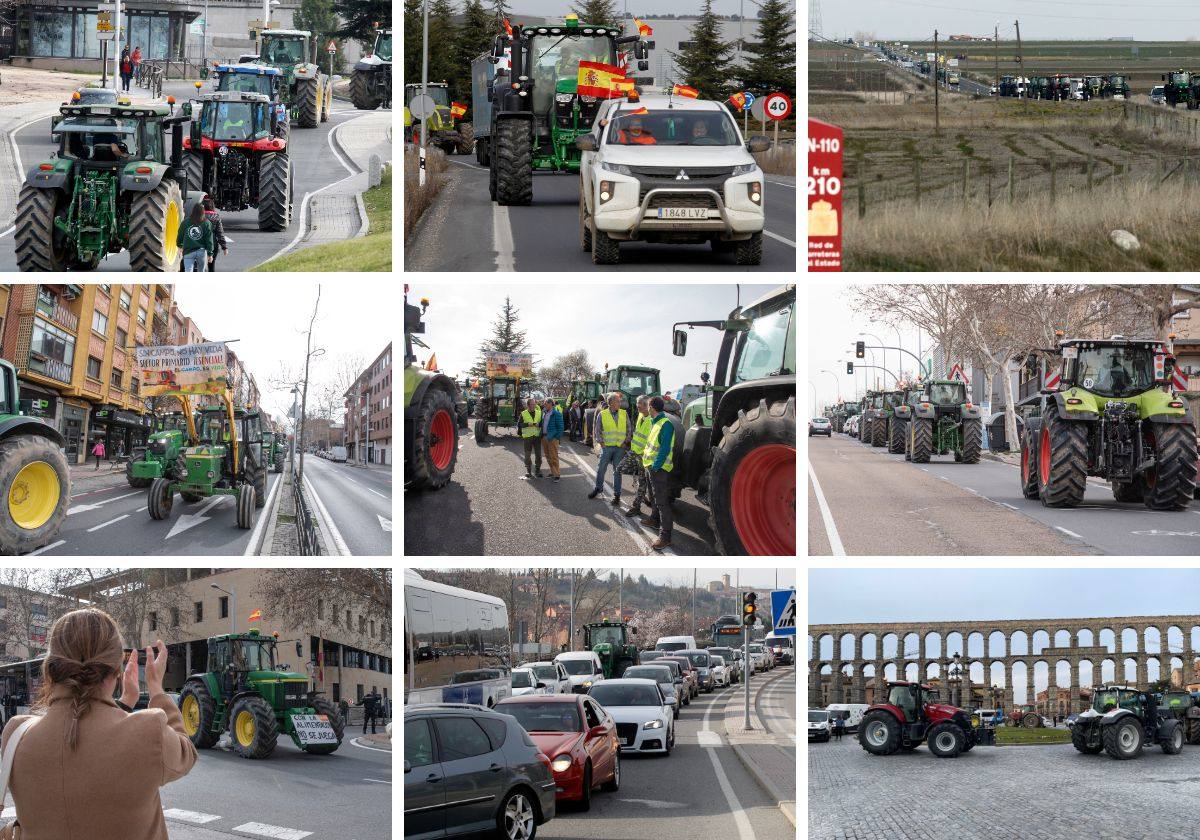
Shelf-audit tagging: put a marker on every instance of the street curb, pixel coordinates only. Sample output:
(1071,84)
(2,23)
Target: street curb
(268,532)
(787,806)
(362,208)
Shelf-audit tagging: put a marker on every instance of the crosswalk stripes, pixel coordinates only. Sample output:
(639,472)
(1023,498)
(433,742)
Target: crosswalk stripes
(257,829)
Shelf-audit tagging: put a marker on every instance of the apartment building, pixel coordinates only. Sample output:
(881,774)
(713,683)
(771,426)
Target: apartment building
(368,435)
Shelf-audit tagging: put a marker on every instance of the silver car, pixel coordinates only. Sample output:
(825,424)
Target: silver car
(662,675)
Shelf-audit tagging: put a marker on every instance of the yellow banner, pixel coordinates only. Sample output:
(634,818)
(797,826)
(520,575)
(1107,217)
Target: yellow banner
(183,369)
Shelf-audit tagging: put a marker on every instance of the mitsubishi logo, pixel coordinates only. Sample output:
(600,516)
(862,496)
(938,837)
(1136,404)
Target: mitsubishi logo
(682,176)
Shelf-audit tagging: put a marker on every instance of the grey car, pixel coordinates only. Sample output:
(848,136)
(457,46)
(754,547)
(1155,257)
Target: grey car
(661,674)
(703,665)
(468,769)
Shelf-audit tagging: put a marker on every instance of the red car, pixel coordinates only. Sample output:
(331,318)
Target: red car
(578,736)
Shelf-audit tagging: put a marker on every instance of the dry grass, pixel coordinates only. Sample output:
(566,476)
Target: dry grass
(416,198)
(778,160)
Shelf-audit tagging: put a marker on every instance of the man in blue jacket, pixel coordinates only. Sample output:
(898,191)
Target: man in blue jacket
(552,432)
(659,459)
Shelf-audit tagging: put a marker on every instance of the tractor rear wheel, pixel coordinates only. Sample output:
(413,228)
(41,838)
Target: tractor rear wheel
(972,440)
(40,245)
(1029,475)
(257,476)
(920,440)
(1173,743)
(481,431)
(879,733)
(361,95)
(154,222)
(466,138)
(245,506)
(193,165)
(308,103)
(752,482)
(896,431)
(514,162)
(199,710)
(1124,739)
(324,706)
(1031,721)
(1080,742)
(35,481)
(1062,460)
(160,498)
(946,739)
(274,191)
(435,441)
(1127,491)
(879,432)
(1172,482)
(253,729)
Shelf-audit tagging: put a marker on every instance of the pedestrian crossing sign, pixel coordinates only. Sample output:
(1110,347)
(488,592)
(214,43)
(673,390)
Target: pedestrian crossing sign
(783,612)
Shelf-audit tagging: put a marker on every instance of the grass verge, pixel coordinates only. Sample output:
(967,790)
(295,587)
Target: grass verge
(779,160)
(1010,735)
(417,198)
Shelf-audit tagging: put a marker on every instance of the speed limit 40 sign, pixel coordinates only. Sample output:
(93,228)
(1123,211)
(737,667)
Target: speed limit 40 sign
(778,106)
(824,196)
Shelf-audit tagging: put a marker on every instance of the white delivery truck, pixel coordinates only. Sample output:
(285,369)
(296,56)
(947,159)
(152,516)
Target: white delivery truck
(337,453)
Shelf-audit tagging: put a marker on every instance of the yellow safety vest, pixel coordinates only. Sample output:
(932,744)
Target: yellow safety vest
(641,433)
(613,431)
(532,425)
(651,451)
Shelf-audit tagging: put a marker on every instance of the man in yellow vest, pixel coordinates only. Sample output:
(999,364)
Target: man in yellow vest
(632,465)
(659,459)
(529,427)
(614,431)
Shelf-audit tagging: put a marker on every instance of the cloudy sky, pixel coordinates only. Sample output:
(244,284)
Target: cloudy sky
(615,324)
(643,9)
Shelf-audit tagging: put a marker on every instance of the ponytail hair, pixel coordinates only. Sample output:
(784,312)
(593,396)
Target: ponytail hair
(85,650)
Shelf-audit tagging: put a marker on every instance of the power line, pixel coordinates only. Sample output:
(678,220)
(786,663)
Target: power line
(992,13)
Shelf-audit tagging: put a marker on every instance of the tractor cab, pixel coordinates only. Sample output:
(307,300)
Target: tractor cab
(238,118)
(284,48)
(383,45)
(633,381)
(249,78)
(612,642)
(943,392)
(1117,367)
(1111,698)
(215,433)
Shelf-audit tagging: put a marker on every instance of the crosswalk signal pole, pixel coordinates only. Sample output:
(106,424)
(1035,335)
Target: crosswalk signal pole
(749,608)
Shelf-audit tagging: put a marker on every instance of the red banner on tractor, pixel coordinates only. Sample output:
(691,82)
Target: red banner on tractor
(824,196)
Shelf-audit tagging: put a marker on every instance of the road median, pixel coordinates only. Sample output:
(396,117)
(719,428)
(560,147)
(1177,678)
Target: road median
(762,753)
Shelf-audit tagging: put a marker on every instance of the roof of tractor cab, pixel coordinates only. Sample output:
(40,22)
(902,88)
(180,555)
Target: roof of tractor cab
(303,32)
(235,96)
(1111,341)
(249,69)
(118,109)
(576,28)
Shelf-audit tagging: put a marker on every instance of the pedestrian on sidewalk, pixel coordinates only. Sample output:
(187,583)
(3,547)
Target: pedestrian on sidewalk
(214,218)
(135,59)
(196,239)
(344,708)
(552,432)
(613,429)
(370,704)
(659,459)
(126,68)
(632,465)
(529,427)
(838,728)
(98,451)
(88,766)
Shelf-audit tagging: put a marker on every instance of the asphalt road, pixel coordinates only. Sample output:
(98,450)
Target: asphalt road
(465,231)
(881,504)
(490,508)
(315,164)
(358,500)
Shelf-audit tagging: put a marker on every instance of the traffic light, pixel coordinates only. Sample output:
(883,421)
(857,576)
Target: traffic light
(749,608)
(860,349)
(850,368)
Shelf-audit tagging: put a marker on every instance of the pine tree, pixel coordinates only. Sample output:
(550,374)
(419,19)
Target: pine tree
(475,36)
(506,338)
(442,35)
(770,64)
(500,13)
(362,16)
(412,41)
(705,63)
(598,12)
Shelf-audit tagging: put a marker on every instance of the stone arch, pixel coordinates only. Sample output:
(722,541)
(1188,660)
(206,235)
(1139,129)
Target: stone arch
(1129,673)
(1153,669)
(870,647)
(954,644)
(1041,677)
(1041,641)
(1086,676)
(1175,672)
(888,646)
(1020,673)
(1089,642)
(912,646)
(1129,640)
(889,672)
(812,648)
(1174,643)
(975,644)
(825,647)
(976,670)
(1062,673)
(1108,639)
(997,645)
(1194,635)
(1062,638)
(998,675)
(1018,644)
(1108,671)
(846,647)
(933,671)
(1152,640)
(912,672)
(934,650)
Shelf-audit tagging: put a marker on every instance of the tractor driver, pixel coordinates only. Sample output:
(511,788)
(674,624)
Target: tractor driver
(109,147)
(233,122)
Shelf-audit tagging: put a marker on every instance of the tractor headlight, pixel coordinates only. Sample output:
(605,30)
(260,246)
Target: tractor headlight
(561,763)
(564,98)
(653,724)
(210,474)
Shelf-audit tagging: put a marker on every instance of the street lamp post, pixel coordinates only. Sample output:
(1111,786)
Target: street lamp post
(836,379)
(232,607)
(880,340)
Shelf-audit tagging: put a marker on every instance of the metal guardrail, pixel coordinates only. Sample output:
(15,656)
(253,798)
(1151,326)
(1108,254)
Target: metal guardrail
(150,75)
(306,527)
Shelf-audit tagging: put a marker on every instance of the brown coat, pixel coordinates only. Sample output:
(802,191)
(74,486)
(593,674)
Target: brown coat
(106,789)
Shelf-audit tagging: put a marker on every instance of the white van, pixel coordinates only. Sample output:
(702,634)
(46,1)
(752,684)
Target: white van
(583,669)
(338,454)
(850,713)
(675,643)
(818,725)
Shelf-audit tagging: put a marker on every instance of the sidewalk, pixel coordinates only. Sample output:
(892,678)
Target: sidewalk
(379,741)
(769,758)
(337,213)
(110,474)
(282,539)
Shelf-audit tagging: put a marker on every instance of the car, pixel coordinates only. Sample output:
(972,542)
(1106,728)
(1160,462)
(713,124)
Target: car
(651,655)
(851,426)
(720,671)
(733,662)
(664,676)
(451,748)
(645,721)
(553,674)
(524,681)
(702,662)
(583,669)
(669,169)
(682,686)
(1158,95)
(820,426)
(820,725)
(578,736)
(476,675)
(87,96)
(689,673)
(675,643)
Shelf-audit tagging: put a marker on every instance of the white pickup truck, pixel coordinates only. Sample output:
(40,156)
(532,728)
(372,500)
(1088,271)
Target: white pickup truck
(669,170)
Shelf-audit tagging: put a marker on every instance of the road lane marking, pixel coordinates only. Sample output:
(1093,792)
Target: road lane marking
(1007,505)
(46,548)
(379,781)
(191,520)
(709,739)
(385,524)
(502,239)
(16,150)
(380,495)
(781,184)
(831,531)
(139,510)
(252,544)
(109,522)
(776,236)
(1068,533)
(83,508)
(633,530)
(196,817)
(276,832)
(331,529)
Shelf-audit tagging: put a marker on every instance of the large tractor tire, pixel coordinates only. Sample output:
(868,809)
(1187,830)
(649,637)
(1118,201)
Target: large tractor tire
(946,740)
(308,103)
(130,478)
(40,245)
(879,432)
(1062,460)
(435,441)
(360,91)
(274,191)
(752,484)
(245,506)
(897,429)
(514,162)
(1029,474)
(920,440)
(1172,482)
(1173,743)
(154,228)
(253,729)
(1080,742)
(257,476)
(160,499)
(879,733)
(466,139)
(324,706)
(1123,740)
(193,165)
(1192,731)
(36,487)
(1031,721)
(972,441)
(864,432)
(199,710)
(481,431)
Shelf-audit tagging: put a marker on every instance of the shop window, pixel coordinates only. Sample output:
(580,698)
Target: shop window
(93,367)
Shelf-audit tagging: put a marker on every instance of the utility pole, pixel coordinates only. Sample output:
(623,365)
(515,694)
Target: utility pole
(571,639)
(996,56)
(937,122)
(694,572)
(621,595)
(1020,63)
(425,92)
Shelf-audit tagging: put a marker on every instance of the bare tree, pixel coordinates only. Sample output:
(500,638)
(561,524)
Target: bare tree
(931,307)
(557,376)
(1159,303)
(296,595)
(131,596)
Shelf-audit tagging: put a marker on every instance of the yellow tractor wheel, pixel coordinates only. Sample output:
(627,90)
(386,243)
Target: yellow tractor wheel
(37,490)
(198,709)
(253,729)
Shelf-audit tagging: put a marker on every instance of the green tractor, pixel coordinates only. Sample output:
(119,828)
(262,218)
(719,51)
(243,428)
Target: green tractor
(227,460)
(631,382)
(902,415)
(739,449)
(307,92)
(430,407)
(1115,417)
(1185,706)
(116,183)
(1177,87)
(1115,86)
(34,478)
(242,692)
(173,431)
(873,430)
(944,420)
(274,450)
(442,131)
(612,641)
(371,84)
(499,406)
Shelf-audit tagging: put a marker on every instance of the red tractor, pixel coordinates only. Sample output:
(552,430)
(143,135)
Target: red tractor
(1026,716)
(912,715)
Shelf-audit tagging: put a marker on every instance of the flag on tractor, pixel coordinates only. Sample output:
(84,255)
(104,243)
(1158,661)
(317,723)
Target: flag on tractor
(599,80)
(432,363)
(507,28)
(457,110)
(637,112)
(684,90)
(624,86)
(739,100)
(643,28)
(255,616)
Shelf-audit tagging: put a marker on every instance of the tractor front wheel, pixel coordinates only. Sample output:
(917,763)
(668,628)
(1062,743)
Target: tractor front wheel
(1062,460)
(1172,482)
(920,440)
(252,727)
(481,431)
(879,432)
(274,192)
(160,498)
(514,162)
(435,441)
(361,94)
(308,103)
(896,431)
(879,733)
(199,710)
(1124,739)
(154,228)
(257,476)
(466,139)
(946,740)
(1079,740)
(245,506)
(1173,743)
(1029,476)
(972,441)
(36,484)
(324,706)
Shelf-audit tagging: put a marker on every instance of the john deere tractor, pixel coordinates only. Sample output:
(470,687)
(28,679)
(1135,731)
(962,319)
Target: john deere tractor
(116,183)
(902,416)
(308,93)
(499,406)
(430,400)
(441,131)
(1115,86)
(274,449)
(612,642)
(1185,706)
(371,84)
(1177,87)
(944,421)
(878,417)
(244,693)
(1122,721)
(1115,417)
(173,431)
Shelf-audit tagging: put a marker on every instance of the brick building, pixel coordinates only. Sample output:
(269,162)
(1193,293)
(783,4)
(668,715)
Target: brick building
(368,434)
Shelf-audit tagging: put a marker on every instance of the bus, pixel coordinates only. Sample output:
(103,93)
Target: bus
(727,630)
(456,644)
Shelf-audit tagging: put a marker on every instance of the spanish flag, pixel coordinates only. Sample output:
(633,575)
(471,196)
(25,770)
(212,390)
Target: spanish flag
(432,363)
(739,100)
(457,110)
(636,112)
(624,86)
(507,28)
(643,29)
(255,616)
(599,80)
(684,90)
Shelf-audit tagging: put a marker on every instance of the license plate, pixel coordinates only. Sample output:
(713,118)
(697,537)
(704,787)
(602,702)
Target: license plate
(314,729)
(624,742)
(683,212)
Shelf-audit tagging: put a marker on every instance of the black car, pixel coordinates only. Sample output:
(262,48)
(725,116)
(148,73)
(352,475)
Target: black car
(468,769)
(85,96)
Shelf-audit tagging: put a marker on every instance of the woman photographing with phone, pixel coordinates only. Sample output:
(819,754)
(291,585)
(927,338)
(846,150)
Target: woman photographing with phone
(85,765)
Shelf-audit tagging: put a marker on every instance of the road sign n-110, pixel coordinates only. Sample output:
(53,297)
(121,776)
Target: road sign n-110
(824,196)
(783,612)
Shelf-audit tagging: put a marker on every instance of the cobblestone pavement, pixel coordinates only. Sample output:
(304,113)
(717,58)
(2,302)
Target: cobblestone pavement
(1000,793)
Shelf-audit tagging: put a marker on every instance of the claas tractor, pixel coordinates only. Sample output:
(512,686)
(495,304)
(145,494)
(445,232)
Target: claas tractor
(244,693)
(612,641)
(902,416)
(371,84)
(308,93)
(237,153)
(227,460)
(430,406)
(1185,706)
(173,431)
(1177,87)
(944,421)
(1122,721)
(441,129)
(1026,716)
(499,406)
(115,184)
(911,715)
(1113,416)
